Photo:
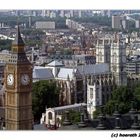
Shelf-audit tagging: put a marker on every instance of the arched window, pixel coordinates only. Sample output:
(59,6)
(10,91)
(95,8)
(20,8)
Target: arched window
(102,83)
(114,58)
(97,82)
(106,83)
(110,82)
(100,56)
(91,93)
(49,115)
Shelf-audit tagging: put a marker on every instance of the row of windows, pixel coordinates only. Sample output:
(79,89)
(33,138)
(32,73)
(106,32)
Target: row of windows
(11,126)
(23,101)
(13,57)
(91,93)
(11,99)
(97,91)
(25,126)
(103,82)
(11,114)
(13,61)
(24,114)
(101,56)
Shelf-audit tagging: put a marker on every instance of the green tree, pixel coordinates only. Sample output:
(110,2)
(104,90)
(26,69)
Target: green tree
(33,37)
(96,113)
(74,116)
(122,96)
(5,44)
(44,94)
(137,97)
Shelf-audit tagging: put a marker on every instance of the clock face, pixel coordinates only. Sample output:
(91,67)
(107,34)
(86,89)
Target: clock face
(25,79)
(10,79)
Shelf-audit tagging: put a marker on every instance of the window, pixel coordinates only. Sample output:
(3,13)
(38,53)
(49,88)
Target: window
(97,82)
(91,93)
(97,103)
(50,116)
(97,92)
(79,85)
(115,58)
(100,56)
(14,49)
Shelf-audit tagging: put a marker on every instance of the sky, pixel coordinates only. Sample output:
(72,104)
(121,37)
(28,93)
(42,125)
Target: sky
(70,4)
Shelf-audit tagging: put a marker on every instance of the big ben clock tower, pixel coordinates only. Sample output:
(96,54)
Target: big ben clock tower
(18,84)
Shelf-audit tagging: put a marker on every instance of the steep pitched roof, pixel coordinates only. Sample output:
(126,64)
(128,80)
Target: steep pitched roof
(64,73)
(55,63)
(93,69)
(18,40)
(42,73)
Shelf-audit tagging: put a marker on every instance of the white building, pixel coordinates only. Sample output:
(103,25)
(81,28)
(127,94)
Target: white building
(62,13)
(53,116)
(118,61)
(45,25)
(94,97)
(137,24)
(116,22)
(103,51)
(73,24)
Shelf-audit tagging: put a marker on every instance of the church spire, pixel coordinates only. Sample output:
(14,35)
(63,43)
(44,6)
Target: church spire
(18,39)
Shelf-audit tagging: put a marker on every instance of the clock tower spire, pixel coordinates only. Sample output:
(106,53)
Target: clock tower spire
(18,84)
(18,40)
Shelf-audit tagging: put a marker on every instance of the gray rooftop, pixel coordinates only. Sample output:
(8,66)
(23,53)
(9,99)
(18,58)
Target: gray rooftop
(93,69)
(42,73)
(55,63)
(65,72)
(68,106)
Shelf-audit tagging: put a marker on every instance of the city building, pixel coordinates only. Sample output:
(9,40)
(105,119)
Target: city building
(103,51)
(73,24)
(125,24)
(116,22)
(53,116)
(133,67)
(101,84)
(118,60)
(45,25)
(137,24)
(96,81)
(62,13)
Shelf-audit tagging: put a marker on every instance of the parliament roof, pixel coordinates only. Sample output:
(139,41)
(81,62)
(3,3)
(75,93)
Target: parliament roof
(42,73)
(77,105)
(55,63)
(64,73)
(93,69)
